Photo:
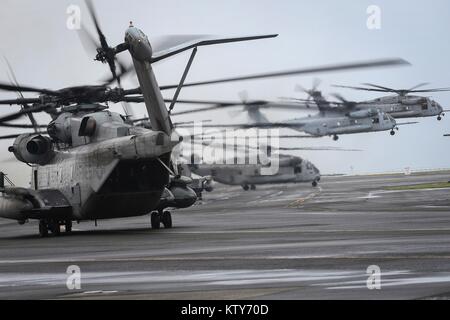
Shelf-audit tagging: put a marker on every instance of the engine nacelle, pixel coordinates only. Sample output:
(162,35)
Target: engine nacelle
(33,148)
(359,114)
(411,101)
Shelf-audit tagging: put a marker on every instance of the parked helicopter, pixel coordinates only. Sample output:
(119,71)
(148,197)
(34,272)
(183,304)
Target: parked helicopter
(93,164)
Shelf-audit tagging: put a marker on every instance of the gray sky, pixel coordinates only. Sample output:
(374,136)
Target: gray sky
(45,53)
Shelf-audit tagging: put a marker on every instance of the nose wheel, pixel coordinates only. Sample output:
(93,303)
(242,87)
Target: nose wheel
(158,217)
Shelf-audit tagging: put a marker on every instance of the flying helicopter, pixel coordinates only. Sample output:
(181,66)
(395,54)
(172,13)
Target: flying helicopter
(403,104)
(329,121)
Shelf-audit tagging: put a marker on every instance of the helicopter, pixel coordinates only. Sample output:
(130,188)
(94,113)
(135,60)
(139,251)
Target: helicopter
(329,121)
(292,169)
(92,164)
(402,104)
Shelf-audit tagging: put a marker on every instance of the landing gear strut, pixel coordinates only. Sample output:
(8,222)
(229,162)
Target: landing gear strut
(158,217)
(54,226)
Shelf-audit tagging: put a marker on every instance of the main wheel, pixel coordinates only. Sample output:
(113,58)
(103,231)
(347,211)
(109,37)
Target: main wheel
(335,138)
(55,228)
(166,219)
(392,132)
(43,229)
(245,187)
(252,187)
(439,118)
(314,183)
(68,226)
(155,220)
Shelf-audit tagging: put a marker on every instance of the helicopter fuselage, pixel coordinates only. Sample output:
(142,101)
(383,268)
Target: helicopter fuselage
(408,106)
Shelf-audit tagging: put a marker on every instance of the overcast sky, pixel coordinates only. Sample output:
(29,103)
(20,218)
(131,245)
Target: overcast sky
(44,52)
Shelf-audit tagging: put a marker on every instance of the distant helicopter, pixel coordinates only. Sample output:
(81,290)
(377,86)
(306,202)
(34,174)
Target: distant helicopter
(328,122)
(403,104)
(292,169)
(243,172)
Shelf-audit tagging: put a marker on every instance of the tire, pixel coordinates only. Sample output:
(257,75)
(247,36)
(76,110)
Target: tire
(43,229)
(245,187)
(167,219)
(314,183)
(155,220)
(68,226)
(54,228)
(252,187)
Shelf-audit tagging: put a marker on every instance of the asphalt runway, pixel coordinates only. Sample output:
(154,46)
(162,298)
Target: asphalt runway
(278,242)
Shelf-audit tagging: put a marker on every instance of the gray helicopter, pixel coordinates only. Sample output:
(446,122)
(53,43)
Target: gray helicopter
(402,104)
(292,169)
(93,164)
(329,121)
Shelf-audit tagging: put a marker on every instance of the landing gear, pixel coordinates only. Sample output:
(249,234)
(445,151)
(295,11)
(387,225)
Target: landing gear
(335,137)
(314,183)
(155,220)
(166,219)
(54,226)
(252,187)
(158,217)
(68,226)
(43,229)
(245,187)
(392,132)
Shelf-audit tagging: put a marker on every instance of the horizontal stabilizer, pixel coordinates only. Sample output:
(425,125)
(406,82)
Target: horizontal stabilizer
(160,55)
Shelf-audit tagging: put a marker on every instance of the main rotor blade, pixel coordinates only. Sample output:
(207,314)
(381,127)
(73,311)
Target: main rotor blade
(359,88)
(327,68)
(21,126)
(431,90)
(380,87)
(19,93)
(9,87)
(20,101)
(22,112)
(418,86)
